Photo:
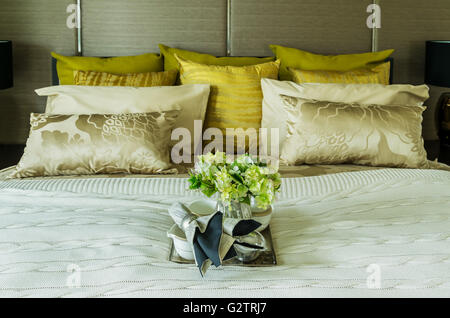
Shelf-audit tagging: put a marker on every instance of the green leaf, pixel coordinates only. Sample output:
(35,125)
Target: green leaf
(194,182)
(208,189)
(245,200)
(238,178)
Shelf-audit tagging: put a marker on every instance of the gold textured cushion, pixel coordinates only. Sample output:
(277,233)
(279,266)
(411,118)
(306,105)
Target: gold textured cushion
(149,62)
(236,98)
(333,133)
(148,79)
(97,144)
(378,74)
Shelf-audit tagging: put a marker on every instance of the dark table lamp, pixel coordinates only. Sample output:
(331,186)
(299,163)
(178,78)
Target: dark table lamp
(6,64)
(437,73)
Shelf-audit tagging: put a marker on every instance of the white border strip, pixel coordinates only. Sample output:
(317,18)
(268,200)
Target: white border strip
(375,39)
(79,34)
(228,27)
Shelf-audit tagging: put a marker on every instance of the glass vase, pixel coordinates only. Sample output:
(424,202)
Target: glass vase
(235,209)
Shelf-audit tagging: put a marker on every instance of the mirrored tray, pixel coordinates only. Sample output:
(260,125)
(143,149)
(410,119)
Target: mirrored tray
(267,258)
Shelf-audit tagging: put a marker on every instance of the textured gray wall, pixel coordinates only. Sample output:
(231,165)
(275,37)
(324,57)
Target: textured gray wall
(36,28)
(406,25)
(325,26)
(118,27)
(121,27)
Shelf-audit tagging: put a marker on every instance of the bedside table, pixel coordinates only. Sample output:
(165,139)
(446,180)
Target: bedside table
(444,128)
(10,155)
(444,155)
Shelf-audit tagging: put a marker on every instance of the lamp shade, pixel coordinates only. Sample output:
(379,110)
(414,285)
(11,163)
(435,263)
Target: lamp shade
(437,63)
(6,64)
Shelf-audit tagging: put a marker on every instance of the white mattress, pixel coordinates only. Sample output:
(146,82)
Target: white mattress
(327,230)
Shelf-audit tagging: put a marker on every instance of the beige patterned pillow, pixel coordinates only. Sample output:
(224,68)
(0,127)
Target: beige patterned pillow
(72,99)
(97,144)
(274,115)
(332,133)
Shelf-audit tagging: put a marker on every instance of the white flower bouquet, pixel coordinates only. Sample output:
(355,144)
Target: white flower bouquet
(239,180)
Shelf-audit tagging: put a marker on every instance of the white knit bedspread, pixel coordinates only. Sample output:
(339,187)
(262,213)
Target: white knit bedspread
(327,231)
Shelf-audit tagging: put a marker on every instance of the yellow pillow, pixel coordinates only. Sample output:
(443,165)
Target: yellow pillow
(65,65)
(149,79)
(307,61)
(376,75)
(236,97)
(171,63)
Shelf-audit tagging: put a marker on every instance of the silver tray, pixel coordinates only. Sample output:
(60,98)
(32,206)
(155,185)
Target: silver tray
(266,258)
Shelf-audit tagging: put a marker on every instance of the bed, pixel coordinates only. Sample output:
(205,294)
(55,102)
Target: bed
(339,231)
